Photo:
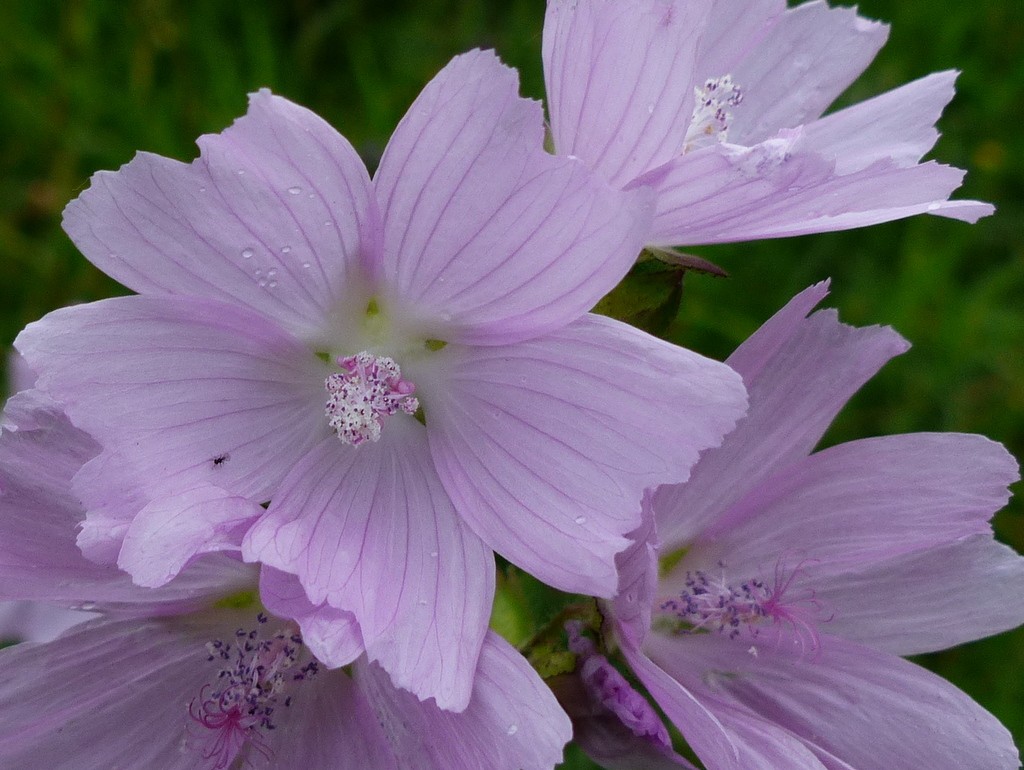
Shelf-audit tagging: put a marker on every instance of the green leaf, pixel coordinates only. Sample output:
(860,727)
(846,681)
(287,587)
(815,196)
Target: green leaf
(648,297)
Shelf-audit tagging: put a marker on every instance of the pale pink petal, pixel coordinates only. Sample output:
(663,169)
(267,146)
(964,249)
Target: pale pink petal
(799,373)
(31,409)
(734,30)
(112,491)
(638,576)
(546,446)
(487,237)
(723,737)
(39,514)
(370,530)
(774,338)
(962,210)
(105,695)
(188,391)
(331,727)
(274,215)
(849,704)
(810,57)
(782,188)
(19,376)
(512,722)
(897,125)
(927,600)
(620,77)
(172,530)
(28,621)
(862,502)
(331,634)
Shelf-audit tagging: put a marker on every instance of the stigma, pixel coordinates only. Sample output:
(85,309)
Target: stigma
(366,391)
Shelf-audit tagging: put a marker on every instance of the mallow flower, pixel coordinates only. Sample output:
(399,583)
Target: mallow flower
(219,667)
(766,602)
(401,368)
(718,107)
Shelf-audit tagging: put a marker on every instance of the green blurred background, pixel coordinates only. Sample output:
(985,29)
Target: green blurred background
(86,83)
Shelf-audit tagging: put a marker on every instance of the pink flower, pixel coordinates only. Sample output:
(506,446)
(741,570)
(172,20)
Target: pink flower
(717,106)
(790,582)
(196,675)
(403,367)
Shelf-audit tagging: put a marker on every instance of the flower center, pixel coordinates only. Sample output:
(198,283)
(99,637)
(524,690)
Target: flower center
(710,121)
(239,706)
(366,391)
(712,605)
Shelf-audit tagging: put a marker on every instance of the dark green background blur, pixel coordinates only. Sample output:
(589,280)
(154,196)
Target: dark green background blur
(85,84)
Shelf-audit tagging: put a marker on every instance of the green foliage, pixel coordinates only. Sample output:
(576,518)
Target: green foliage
(647,298)
(86,83)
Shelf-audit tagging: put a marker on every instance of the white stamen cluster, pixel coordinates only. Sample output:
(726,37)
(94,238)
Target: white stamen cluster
(710,121)
(367,390)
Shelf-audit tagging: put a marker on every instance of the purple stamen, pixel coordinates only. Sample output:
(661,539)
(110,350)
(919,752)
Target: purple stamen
(239,706)
(747,609)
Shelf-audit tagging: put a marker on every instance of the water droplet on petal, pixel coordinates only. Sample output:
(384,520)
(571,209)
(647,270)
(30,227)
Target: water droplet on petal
(294,190)
(433,554)
(512,729)
(423,602)
(241,172)
(286,249)
(272,285)
(247,253)
(307,265)
(262,282)
(272,272)
(580,519)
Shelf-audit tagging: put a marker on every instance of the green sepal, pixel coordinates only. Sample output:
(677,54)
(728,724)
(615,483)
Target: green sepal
(648,297)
